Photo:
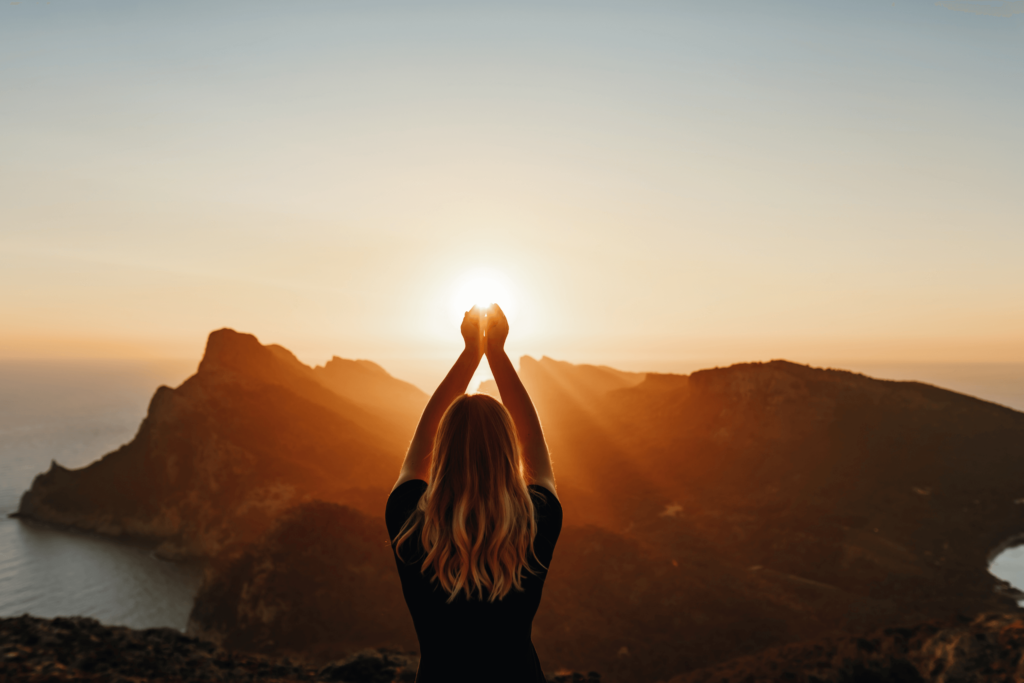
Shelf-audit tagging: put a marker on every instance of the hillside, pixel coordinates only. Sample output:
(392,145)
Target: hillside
(708,516)
(875,487)
(712,516)
(768,503)
(251,434)
(320,585)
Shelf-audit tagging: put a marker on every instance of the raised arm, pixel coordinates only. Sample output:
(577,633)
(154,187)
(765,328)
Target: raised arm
(421,449)
(517,400)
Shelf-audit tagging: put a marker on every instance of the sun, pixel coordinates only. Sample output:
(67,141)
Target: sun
(482,287)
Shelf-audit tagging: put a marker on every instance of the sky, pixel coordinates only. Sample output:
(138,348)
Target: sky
(652,184)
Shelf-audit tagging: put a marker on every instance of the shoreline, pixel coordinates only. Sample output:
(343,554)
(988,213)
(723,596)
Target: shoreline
(151,543)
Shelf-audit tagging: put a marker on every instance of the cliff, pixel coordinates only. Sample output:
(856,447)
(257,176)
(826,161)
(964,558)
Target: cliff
(873,487)
(251,434)
(829,502)
(708,516)
(767,503)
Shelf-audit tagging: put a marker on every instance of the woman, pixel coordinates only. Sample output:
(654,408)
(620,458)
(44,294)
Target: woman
(474,519)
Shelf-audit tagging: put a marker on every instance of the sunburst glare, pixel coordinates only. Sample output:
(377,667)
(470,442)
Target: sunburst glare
(482,287)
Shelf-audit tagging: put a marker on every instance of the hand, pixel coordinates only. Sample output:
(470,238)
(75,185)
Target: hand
(496,327)
(472,332)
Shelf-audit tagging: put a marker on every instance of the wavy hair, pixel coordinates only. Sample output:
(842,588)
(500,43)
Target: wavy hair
(476,519)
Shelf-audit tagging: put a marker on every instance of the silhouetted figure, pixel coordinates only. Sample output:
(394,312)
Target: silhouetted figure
(474,519)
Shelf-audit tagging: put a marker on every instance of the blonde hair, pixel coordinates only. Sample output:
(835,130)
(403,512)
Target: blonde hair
(476,518)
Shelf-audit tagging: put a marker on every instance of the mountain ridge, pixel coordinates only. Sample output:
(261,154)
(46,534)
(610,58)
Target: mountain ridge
(217,459)
(707,516)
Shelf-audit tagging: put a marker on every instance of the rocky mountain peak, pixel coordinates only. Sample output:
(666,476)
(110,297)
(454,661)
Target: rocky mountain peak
(231,350)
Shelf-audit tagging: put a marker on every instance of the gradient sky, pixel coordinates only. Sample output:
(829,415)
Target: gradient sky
(817,180)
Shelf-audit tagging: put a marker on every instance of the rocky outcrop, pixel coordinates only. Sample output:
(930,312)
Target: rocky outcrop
(77,649)
(880,488)
(251,434)
(80,649)
(986,649)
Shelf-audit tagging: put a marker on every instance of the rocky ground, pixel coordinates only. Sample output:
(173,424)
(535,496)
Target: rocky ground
(986,649)
(81,649)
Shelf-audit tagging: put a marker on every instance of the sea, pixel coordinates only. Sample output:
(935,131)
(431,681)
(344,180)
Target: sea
(74,412)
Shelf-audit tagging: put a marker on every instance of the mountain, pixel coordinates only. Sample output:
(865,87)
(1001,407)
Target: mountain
(870,486)
(221,457)
(788,501)
(714,515)
(570,400)
(707,516)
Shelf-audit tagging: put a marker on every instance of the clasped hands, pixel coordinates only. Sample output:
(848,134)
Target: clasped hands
(484,330)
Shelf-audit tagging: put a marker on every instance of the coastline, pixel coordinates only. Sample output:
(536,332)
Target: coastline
(151,543)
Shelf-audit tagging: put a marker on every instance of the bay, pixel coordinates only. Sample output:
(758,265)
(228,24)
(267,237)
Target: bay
(75,412)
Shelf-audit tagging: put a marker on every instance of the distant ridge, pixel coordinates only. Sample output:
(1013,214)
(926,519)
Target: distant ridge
(708,516)
(589,379)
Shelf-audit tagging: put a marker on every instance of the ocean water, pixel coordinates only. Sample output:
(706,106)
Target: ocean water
(76,412)
(73,413)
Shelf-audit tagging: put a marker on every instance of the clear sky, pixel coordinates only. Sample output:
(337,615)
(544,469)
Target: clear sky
(655,182)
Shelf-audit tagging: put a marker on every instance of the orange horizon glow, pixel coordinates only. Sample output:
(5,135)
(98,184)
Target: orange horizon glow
(650,185)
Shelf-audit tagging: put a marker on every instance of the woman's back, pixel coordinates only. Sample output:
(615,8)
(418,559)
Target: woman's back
(474,519)
(473,639)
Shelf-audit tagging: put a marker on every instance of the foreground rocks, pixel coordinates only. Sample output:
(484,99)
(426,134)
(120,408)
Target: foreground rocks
(80,649)
(987,649)
(77,648)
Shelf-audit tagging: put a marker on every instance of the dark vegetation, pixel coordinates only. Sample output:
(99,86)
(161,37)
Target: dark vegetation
(708,517)
(321,584)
